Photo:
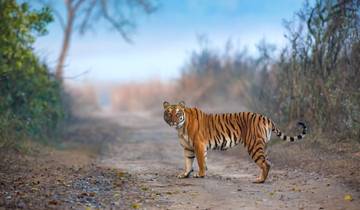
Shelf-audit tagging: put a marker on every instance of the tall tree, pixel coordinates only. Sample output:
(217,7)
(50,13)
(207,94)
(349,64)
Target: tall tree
(83,15)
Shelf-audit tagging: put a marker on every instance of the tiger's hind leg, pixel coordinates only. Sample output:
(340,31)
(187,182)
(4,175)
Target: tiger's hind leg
(257,153)
(265,168)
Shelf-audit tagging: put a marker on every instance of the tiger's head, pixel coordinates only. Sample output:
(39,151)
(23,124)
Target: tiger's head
(174,114)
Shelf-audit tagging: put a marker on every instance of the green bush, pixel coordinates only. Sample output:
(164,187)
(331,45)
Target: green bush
(30,97)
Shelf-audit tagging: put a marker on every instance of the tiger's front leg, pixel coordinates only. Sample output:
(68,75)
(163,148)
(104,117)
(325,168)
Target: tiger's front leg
(200,152)
(189,156)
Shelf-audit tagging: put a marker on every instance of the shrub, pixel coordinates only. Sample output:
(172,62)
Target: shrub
(315,78)
(30,101)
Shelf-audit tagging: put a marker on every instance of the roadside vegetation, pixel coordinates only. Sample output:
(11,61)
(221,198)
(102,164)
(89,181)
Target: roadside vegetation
(31,105)
(314,78)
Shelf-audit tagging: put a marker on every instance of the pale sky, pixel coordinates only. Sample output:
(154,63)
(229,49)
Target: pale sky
(164,40)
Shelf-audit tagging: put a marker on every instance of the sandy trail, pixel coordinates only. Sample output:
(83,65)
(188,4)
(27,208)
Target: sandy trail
(151,151)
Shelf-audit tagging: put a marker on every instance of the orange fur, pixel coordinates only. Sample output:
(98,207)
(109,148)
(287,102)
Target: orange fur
(199,131)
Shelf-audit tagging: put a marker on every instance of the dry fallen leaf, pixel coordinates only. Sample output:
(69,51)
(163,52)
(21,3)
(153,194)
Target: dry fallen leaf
(120,174)
(34,189)
(144,188)
(348,197)
(296,189)
(135,206)
(53,202)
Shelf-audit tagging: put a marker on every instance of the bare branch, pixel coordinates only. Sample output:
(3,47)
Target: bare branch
(147,6)
(68,6)
(85,22)
(84,13)
(118,25)
(60,19)
(77,5)
(78,75)
(309,22)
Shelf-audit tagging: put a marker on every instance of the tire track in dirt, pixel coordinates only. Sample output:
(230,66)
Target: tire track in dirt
(151,151)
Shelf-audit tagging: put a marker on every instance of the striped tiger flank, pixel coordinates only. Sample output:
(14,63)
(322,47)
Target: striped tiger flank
(200,132)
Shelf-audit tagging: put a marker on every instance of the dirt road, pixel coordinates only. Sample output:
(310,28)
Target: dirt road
(150,150)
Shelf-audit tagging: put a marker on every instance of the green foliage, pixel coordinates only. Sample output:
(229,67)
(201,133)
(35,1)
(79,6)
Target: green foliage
(30,101)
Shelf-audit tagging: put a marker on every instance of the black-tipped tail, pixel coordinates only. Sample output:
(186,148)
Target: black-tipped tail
(291,138)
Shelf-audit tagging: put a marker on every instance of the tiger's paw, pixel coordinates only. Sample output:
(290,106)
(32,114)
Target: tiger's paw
(259,181)
(184,175)
(197,175)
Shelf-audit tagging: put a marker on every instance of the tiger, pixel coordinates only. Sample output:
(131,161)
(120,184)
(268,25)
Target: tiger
(199,131)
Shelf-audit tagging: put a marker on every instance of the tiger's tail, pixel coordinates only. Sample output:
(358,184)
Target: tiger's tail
(290,138)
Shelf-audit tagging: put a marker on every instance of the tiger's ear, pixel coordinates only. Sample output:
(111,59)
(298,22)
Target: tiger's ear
(166,104)
(182,104)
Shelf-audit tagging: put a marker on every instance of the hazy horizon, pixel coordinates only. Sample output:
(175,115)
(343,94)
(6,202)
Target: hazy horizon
(164,40)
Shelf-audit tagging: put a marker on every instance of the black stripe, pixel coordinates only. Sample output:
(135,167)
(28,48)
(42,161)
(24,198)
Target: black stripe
(299,136)
(284,138)
(303,126)
(236,126)
(243,120)
(259,158)
(249,123)
(252,116)
(252,121)
(191,157)
(223,125)
(197,117)
(291,138)
(222,136)
(236,139)
(252,156)
(228,122)
(232,125)
(251,147)
(223,144)
(247,114)
(213,127)
(241,140)
(259,126)
(231,141)
(188,149)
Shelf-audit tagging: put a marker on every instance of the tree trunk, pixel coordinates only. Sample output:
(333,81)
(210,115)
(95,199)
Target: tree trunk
(65,47)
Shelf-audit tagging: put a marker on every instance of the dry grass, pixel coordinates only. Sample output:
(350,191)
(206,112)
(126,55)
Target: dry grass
(82,99)
(147,96)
